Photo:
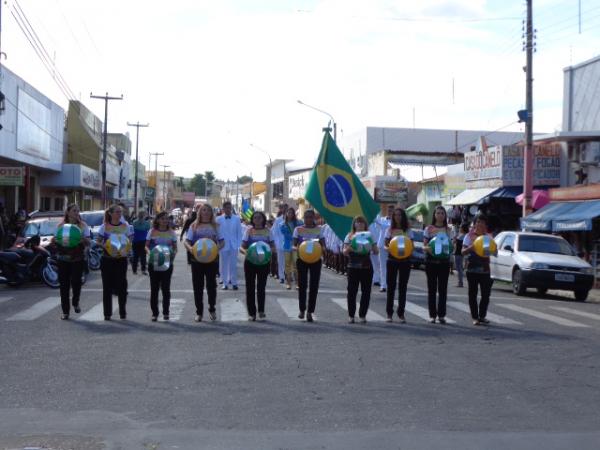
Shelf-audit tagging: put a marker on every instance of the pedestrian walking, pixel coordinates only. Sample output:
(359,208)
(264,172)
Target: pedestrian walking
(141,227)
(458,257)
(204,273)
(230,228)
(70,249)
(114,236)
(289,254)
(309,274)
(256,275)
(161,234)
(437,267)
(478,272)
(383,223)
(398,270)
(279,241)
(360,271)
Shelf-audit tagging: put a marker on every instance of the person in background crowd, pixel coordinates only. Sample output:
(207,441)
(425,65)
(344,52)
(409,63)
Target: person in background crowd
(478,272)
(256,276)
(289,254)
(375,231)
(188,222)
(114,268)
(383,223)
(360,272)
(458,257)
(436,269)
(205,226)
(71,262)
(161,234)
(397,269)
(310,230)
(141,226)
(230,228)
(3,227)
(278,239)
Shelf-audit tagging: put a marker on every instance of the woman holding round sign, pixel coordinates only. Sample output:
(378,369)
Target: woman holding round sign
(114,235)
(71,238)
(161,245)
(399,245)
(477,247)
(257,245)
(203,242)
(438,248)
(358,246)
(309,242)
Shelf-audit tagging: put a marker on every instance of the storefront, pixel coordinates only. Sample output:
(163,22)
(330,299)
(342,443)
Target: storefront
(75,184)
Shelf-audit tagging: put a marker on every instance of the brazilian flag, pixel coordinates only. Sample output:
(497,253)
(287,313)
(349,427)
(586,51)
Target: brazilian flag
(336,192)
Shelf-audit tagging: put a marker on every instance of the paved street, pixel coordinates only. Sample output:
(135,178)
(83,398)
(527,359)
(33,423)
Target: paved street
(529,380)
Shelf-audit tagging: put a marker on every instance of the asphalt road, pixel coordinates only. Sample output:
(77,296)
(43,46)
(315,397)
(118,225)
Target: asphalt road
(531,379)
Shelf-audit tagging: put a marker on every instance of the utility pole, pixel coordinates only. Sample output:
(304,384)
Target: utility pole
(156,155)
(137,144)
(106,98)
(528,151)
(164,186)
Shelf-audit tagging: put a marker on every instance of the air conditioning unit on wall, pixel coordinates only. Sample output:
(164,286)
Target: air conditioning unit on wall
(590,153)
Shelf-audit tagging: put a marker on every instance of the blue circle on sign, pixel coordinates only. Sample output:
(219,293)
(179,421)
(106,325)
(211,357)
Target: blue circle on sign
(338,191)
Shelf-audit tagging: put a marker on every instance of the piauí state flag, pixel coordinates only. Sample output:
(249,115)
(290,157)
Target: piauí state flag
(335,191)
(247,211)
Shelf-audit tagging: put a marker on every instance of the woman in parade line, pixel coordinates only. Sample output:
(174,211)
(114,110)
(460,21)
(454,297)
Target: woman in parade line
(360,272)
(310,230)
(463,229)
(114,264)
(397,269)
(256,275)
(290,255)
(71,261)
(478,272)
(141,227)
(205,226)
(161,234)
(436,269)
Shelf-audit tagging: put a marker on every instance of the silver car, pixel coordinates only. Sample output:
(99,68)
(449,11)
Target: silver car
(540,261)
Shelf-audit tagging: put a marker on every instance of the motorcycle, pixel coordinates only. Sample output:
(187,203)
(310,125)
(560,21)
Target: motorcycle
(94,255)
(31,262)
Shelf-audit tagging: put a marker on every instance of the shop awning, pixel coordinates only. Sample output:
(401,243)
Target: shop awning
(471,196)
(507,192)
(417,208)
(563,216)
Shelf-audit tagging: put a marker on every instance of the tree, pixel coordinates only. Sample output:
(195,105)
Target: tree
(243,179)
(198,184)
(210,177)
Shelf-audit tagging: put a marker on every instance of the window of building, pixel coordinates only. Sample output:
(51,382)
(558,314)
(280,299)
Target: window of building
(59,203)
(45,203)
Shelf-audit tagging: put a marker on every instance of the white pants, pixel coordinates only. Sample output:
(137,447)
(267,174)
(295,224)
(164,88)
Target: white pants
(375,264)
(229,265)
(383,256)
(281,264)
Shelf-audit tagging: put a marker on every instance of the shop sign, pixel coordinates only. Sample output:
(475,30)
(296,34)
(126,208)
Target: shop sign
(150,193)
(391,191)
(12,176)
(90,178)
(546,165)
(297,185)
(483,164)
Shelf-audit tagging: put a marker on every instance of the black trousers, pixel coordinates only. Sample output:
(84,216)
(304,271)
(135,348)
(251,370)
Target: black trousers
(305,271)
(114,280)
(160,281)
(364,278)
(69,277)
(397,270)
(437,283)
(202,272)
(139,254)
(475,281)
(256,282)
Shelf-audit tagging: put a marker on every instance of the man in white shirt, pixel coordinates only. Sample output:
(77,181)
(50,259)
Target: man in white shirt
(374,229)
(230,228)
(383,224)
(279,241)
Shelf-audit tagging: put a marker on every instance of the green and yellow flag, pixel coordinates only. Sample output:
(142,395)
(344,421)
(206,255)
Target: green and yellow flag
(335,191)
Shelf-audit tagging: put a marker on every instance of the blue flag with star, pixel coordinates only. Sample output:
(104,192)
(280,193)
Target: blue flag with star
(335,191)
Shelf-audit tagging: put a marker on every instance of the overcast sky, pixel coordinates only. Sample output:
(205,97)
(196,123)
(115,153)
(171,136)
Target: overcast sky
(212,77)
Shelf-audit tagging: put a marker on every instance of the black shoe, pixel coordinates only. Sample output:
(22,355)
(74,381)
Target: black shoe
(224,288)
(64,317)
(123,316)
(377,283)
(309,317)
(235,288)
(301,315)
(382,290)
(106,317)
(154,318)
(484,320)
(165,317)
(77,309)
(442,320)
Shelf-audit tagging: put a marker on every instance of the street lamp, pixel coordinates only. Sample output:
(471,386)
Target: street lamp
(327,114)
(269,186)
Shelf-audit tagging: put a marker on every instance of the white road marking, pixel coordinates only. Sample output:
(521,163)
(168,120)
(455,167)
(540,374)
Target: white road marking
(37,310)
(421,312)
(96,313)
(6,299)
(290,307)
(372,316)
(232,310)
(175,309)
(543,316)
(493,317)
(576,312)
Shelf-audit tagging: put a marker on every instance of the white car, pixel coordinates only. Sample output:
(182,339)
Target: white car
(540,261)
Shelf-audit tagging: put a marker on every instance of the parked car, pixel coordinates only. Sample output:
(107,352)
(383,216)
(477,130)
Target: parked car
(40,224)
(418,255)
(541,261)
(93,219)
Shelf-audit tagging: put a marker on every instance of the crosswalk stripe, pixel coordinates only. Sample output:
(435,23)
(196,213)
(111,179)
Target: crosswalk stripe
(290,307)
(5,299)
(96,313)
(37,310)
(493,317)
(232,310)
(421,312)
(372,316)
(576,312)
(176,309)
(543,316)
